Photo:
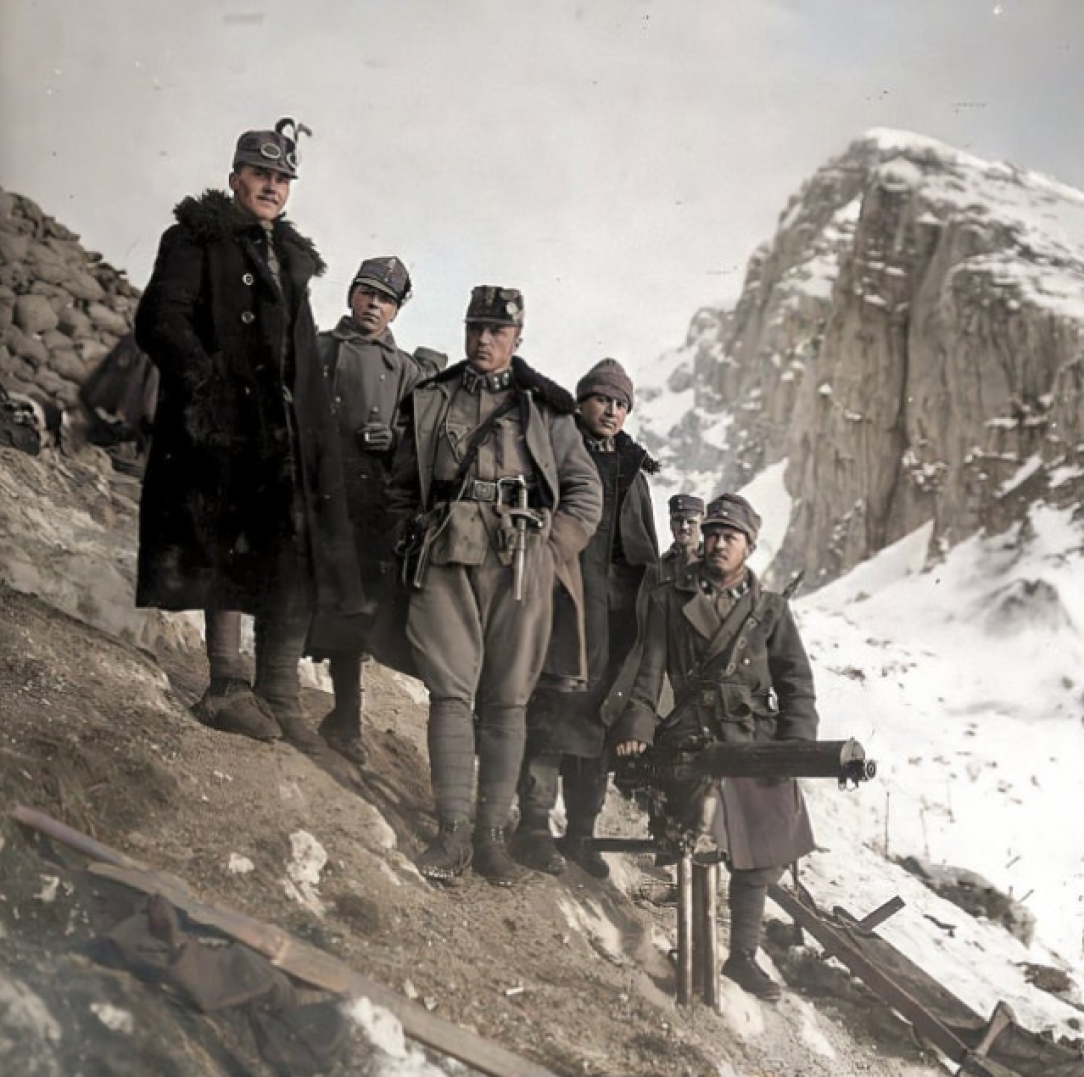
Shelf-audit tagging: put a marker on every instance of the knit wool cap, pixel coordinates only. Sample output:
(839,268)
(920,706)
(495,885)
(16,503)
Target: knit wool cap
(732,510)
(607,378)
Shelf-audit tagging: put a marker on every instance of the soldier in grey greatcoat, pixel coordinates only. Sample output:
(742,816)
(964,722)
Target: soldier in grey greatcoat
(566,736)
(503,497)
(686,515)
(369,377)
(740,673)
(243,509)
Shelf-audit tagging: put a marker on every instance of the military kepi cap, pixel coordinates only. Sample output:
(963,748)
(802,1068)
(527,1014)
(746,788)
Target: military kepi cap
(686,505)
(732,510)
(494,305)
(387,275)
(276,150)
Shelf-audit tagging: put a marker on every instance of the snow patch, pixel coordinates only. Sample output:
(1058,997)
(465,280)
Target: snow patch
(307,859)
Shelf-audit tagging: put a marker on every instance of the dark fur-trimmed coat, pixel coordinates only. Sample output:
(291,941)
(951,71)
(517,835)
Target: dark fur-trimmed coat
(573,724)
(244,443)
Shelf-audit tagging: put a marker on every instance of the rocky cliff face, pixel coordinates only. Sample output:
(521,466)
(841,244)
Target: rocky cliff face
(911,344)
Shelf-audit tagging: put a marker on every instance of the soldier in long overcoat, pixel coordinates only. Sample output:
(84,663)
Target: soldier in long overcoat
(369,376)
(739,671)
(496,476)
(566,738)
(242,507)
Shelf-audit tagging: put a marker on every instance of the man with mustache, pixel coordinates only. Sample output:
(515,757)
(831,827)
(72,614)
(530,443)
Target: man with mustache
(503,496)
(740,674)
(243,509)
(566,739)
(686,514)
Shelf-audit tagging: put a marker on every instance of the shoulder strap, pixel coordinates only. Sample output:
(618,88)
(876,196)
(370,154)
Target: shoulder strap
(482,431)
(709,666)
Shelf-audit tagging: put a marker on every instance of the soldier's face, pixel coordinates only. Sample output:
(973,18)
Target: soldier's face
(726,550)
(490,347)
(686,531)
(262,191)
(373,311)
(603,416)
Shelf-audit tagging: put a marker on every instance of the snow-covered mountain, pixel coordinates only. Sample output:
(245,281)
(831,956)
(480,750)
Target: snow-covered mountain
(909,345)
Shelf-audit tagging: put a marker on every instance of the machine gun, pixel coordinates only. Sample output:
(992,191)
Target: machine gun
(676,780)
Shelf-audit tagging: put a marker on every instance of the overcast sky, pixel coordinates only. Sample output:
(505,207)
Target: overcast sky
(618,160)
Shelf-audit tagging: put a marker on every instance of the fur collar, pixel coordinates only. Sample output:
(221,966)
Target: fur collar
(214,216)
(634,457)
(526,378)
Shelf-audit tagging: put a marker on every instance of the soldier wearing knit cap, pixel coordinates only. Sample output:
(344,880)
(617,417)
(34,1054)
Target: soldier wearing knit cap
(607,378)
(566,743)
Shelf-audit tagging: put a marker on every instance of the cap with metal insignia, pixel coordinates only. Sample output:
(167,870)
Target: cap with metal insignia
(494,305)
(732,510)
(384,274)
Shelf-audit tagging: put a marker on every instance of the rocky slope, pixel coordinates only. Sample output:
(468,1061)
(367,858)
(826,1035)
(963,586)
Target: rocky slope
(910,343)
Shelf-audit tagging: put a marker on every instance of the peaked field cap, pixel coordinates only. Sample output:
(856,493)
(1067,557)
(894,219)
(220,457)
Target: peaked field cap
(607,378)
(270,149)
(686,505)
(732,510)
(385,274)
(495,305)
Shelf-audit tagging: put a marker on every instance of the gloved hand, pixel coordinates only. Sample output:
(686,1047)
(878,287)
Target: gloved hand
(374,438)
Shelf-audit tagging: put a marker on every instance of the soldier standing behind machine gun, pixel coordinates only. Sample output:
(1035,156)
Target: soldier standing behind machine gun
(495,496)
(740,674)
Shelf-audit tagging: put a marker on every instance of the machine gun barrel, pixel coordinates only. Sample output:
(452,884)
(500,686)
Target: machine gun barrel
(844,760)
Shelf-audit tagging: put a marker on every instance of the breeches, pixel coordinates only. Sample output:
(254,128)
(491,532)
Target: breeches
(472,640)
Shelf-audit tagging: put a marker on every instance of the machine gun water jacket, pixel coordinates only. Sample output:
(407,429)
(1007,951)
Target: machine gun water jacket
(761,690)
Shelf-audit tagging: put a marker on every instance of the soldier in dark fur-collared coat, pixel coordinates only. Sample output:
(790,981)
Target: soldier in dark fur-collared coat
(243,507)
(491,461)
(566,733)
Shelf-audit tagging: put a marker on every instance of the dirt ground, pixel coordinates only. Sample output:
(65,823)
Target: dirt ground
(571,973)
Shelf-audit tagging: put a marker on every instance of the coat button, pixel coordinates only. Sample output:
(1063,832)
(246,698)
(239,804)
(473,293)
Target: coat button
(248,317)
(248,278)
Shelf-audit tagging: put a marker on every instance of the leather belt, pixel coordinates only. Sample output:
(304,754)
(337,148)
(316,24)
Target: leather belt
(482,490)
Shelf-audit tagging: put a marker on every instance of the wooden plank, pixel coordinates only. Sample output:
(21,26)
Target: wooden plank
(294,956)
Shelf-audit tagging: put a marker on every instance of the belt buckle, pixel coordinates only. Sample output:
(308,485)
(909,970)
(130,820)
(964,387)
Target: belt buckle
(484,490)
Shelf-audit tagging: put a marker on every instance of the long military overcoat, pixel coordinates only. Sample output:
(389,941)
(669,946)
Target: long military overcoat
(569,489)
(572,724)
(762,690)
(242,399)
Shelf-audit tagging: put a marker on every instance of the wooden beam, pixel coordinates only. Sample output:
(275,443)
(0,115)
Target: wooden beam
(294,956)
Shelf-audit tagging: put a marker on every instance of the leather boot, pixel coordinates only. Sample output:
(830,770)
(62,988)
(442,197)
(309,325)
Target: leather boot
(581,850)
(230,705)
(449,855)
(741,967)
(342,733)
(535,848)
(492,860)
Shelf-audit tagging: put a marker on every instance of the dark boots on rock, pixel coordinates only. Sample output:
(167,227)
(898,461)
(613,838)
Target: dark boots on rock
(741,967)
(492,860)
(449,855)
(535,848)
(341,731)
(229,704)
(582,851)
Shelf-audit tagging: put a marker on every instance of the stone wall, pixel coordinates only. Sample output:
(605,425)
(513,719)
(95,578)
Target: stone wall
(62,308)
